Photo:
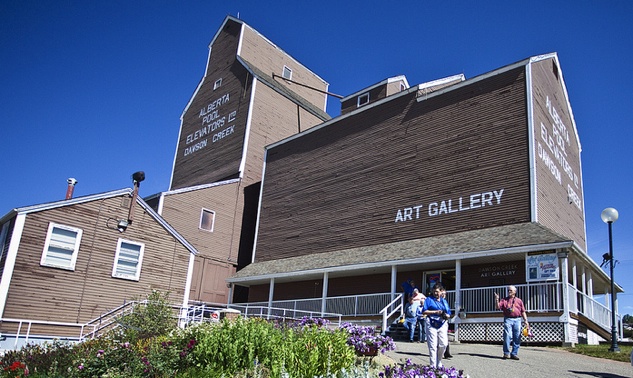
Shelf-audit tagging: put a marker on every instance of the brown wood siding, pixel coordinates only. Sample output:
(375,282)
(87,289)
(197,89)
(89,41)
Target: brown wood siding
(44,293)
(182,211)
(342,186)
(298,289)
(210,144)
(358,285)
(394,87)
(270,60)
(209,281)
(274,118)
(560,203)
(258,293)
(375,94)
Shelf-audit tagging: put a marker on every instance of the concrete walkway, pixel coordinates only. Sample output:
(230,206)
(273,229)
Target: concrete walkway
(484,360)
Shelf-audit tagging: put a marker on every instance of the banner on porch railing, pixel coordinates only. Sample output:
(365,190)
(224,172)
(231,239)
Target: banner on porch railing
(541,266)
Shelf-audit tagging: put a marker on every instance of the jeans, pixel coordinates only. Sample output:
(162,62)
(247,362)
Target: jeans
(411,325)
(511,336)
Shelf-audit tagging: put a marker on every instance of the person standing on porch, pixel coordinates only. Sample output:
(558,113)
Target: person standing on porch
(513,311)
(437,313)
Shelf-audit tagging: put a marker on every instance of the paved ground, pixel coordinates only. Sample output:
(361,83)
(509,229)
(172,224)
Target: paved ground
(483,360)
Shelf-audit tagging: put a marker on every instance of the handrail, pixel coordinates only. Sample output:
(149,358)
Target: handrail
(386,316)
(280,312)
(538,298)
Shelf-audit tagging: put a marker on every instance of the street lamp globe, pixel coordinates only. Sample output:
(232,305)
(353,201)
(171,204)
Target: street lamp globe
(609,215)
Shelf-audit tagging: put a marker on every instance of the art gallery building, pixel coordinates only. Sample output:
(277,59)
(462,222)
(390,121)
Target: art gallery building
(475,183)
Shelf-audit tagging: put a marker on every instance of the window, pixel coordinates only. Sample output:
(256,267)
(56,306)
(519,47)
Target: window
(363,99)
(207,219)
(287,73)
(217,84)
(128,260)
(61,246)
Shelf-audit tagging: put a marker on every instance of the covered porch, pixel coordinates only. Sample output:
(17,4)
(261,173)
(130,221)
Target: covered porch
(366,282)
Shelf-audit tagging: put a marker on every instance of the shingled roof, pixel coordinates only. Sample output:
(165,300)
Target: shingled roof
(496,240)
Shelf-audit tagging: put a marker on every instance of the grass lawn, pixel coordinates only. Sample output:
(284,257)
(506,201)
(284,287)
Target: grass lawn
(602,351)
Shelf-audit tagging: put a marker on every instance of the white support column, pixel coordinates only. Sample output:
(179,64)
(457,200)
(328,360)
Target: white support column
(574,272)
(583,275)
(590,284)
(394,278)
(271,291)
(564,269)
(326,280)
(458,296)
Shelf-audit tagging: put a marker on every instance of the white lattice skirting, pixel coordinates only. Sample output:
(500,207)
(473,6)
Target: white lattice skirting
(493,332)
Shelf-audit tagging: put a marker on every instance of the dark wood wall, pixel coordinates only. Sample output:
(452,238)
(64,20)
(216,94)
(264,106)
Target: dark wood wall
(344,185)
(210,145)
(560,202)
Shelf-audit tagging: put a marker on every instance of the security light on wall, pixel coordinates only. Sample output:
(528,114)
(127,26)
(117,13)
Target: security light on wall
(122,225)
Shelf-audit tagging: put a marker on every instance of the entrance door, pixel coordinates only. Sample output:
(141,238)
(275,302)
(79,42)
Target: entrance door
(445,277)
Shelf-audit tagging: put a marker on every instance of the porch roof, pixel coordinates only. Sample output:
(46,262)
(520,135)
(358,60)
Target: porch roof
(500,242)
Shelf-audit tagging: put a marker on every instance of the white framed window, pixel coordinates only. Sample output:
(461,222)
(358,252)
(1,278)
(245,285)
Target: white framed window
(207,220)
(128,260)
(287,73)
(61,246)
(217,84)
(363,99)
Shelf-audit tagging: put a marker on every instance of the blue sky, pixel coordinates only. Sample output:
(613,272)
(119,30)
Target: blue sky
(94,89)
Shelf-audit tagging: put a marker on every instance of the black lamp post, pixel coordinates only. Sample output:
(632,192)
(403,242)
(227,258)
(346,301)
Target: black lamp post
(610,215)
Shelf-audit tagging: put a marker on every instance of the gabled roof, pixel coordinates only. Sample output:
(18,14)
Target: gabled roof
(267,79)
(95,197)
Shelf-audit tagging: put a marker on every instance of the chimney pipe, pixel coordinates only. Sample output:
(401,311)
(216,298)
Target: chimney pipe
(137,177)
(71,188)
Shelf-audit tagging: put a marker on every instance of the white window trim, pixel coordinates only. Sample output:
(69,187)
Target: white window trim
(137,276)
(73,258)
(283,72)
(217,84)
(364,102)
(212,224)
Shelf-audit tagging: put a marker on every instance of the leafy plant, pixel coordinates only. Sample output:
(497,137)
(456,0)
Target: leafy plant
(155,318)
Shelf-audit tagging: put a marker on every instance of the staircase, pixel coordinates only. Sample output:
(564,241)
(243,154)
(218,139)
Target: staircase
(398,333)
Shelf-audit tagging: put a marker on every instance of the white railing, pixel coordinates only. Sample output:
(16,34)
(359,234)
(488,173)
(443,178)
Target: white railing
(390,309)
(350,305)
(283,314)
(600,314)
(541,297)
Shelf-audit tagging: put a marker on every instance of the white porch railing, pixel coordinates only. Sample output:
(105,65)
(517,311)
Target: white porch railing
(543,297)
(283,314)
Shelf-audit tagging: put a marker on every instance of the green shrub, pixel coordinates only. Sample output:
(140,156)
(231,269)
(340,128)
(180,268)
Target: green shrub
(156,318)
